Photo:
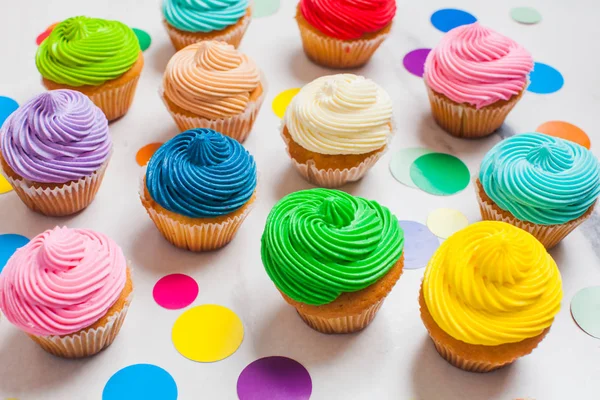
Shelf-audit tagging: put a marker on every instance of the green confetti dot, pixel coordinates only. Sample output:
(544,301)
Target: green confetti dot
(526,15)
(264,8)
(440,174)
(585,309)
(401,162)
(143,37)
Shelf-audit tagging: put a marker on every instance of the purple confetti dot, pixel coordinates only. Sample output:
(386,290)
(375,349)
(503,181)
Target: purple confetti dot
(414,61)
(274,378)
(419,244)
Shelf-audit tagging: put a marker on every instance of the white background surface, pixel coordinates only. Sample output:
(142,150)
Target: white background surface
(393,358)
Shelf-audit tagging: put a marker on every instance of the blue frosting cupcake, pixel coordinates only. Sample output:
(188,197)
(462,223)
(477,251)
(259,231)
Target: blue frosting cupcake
(199,188)
(540,183)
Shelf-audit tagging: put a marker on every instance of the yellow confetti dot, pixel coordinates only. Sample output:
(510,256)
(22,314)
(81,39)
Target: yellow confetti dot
(283,100)
(207,333)
(443,222)
(4,185)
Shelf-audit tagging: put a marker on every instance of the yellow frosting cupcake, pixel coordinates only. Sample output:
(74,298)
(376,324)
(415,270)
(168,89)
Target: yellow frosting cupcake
(489,295)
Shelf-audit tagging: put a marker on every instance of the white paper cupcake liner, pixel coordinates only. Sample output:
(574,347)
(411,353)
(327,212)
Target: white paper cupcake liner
(346,324)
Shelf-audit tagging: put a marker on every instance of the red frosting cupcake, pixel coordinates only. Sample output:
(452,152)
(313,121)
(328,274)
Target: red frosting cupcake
(343,33)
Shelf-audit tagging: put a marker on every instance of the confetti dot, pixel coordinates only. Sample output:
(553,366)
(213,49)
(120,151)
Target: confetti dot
(419,244)
(526,15)
(401,162)
(449,18)
(7,107)
(545,79)
(145,153)
(42,36)
(585,309)
(5,187)
(143,37)
(566,131)
(282,101)
(9,243)
(440,174)
(207,333)
(140,382)
(264,8)
(274,378)
(175,291)
(414,62)
(443,222)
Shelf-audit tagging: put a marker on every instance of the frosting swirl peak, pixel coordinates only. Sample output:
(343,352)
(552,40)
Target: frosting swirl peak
(203,15)
(62,281)
(56,137)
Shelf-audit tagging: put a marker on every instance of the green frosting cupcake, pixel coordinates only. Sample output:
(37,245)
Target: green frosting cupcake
(320,243)
(87,51)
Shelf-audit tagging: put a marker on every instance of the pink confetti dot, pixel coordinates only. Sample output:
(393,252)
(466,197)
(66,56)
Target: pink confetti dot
(175,291)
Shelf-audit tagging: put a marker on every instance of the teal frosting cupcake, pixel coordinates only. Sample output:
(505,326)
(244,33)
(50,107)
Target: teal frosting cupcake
(205,15)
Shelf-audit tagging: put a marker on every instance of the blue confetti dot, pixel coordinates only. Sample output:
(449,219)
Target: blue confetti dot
(140,382)
(449,18)
(7,107)
(545,79)
(9,243)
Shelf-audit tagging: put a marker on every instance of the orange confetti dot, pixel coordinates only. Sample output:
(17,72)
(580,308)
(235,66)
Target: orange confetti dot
(145,153)
(565,130)
(52,26)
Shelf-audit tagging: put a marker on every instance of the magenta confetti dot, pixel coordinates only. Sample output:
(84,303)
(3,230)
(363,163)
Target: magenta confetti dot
(414,61)
(175,291)
(274,378)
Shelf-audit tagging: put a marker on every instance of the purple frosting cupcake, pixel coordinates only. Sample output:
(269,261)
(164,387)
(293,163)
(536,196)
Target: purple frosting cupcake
(54,150)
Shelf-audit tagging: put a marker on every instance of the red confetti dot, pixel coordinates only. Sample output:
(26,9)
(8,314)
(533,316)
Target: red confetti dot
(42,36)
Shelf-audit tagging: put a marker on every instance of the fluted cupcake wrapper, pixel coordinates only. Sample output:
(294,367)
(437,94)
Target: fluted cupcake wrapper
(88,341)
(60,201)
(468,122)
(346,324)
(548,235)
(336,53)
(233,36)
(237,127)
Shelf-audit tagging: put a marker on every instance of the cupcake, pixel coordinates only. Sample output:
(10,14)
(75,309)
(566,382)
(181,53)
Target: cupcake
(99,58)
(54,150)
(343,33)
(489,296)
(336,128)
(474,77)
(198,189)
(190,22)
(542,184)
(332,256)
(69,290)
(212,85)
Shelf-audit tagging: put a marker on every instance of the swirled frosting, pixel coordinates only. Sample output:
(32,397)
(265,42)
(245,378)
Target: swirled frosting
(475,65)
(211,79)
(62,281)
(320,243)
(340,114)
(56,137)
(491,284)
(87,51)
(201,173)
(203,15)
(348,19)
(540,178)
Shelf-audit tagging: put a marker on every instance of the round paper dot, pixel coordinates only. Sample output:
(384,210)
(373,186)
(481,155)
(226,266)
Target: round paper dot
(5,187)
(145,153)
(9,243)
(282,101)
(566,131)
(443,222)
(143,37)
(140,382)
(207,333)
(274,378)
(264,8)
(414,61)
(419,244)
(440,174)
(7,107)
(449,18)
(42,36)
(401,162)
(526,15)
(585,309)
(175,291)
(545,79)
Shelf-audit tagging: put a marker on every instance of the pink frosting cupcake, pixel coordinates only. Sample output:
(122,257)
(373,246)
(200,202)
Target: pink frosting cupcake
(69,290)
(474,78)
